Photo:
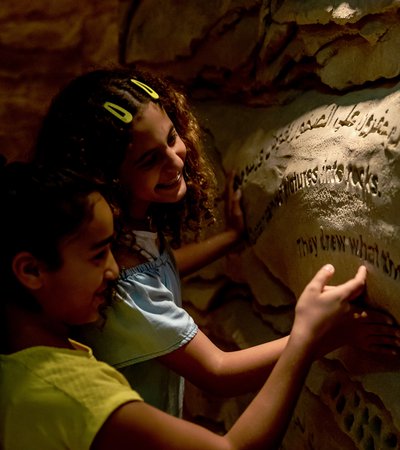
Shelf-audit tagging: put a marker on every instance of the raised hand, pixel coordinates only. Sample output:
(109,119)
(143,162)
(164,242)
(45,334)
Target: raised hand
(367,329)
(321,311)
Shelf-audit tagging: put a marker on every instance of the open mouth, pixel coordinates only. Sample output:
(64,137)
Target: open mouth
(172,183)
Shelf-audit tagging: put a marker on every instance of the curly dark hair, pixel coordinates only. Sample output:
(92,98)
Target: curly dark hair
(78,132)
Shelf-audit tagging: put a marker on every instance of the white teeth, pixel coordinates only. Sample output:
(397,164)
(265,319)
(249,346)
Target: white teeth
(175,180)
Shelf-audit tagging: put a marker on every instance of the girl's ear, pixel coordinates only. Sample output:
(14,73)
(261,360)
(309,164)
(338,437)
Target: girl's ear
(27,270)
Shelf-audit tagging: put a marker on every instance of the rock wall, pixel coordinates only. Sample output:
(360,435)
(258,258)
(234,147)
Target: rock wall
(319,180)
(265,51)
(302,99)
(43,44)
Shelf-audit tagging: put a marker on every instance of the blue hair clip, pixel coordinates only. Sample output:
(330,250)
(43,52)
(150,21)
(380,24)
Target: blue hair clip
(119,112)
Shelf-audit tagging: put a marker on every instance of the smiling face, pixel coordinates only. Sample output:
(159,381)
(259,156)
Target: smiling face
(152,171)
(72,294)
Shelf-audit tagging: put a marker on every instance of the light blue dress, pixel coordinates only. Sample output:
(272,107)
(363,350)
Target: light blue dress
(146,321)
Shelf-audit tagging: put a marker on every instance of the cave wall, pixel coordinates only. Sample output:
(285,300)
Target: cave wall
(301,98)
(43,44)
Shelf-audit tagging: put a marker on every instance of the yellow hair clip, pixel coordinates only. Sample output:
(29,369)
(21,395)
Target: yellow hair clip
(119,112)
(153,94)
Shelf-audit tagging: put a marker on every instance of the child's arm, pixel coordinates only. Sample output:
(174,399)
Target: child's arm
(224,373)
(237,372)
(264,422)
(192,257)
(261,426)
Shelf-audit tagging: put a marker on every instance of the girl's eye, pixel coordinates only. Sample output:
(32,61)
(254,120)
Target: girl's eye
(149,161)
(172,137)
(100,255)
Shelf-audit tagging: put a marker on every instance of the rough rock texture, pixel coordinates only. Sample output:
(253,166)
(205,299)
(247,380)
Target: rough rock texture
(266,47)
(320,183)
(301,97)
(42,45)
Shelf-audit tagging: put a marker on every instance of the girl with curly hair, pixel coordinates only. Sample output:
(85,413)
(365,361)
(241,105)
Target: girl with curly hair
(136,132)
(58,273)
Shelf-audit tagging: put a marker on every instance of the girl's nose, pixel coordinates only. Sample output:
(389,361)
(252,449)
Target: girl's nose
(177,154)
(112,269)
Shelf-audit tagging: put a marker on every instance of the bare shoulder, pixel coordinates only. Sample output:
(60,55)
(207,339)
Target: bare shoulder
(128,258)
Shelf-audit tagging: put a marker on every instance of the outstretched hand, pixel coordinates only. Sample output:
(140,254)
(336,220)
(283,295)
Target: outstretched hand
(320,311)
(367,329)
(335,316)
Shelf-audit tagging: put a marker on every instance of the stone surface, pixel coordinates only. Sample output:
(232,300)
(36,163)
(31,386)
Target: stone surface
(43,44)
(277,45)
(302,67)
(313,428)
(319,185)
(308,12)
(200,45)
(358,412)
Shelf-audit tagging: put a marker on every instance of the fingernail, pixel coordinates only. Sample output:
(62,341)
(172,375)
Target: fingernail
(329,268)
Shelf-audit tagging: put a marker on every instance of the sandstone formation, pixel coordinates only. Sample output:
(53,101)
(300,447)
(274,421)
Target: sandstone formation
(302,98)
(43,44)
(307,114)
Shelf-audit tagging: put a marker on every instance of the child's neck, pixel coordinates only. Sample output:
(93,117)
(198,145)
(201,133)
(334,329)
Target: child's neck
(143,223)
(30,329)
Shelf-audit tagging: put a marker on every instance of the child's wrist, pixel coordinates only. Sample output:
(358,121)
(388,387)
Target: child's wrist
(304,343)
(234,235)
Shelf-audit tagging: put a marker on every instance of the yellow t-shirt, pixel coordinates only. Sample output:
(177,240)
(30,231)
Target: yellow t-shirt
(53,398)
